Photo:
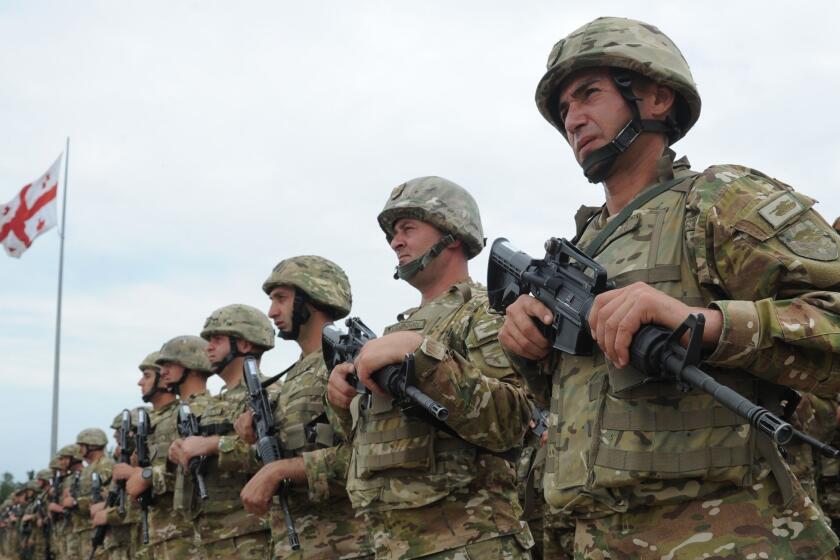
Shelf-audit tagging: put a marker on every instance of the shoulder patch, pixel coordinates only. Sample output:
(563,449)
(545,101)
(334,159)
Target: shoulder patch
(781,209)
(807,239)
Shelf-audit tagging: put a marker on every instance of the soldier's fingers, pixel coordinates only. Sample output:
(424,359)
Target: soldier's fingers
(516,341)
(618,332)
(536,308)
(522,324)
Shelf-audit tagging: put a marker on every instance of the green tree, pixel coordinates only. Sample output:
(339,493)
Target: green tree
(7,486)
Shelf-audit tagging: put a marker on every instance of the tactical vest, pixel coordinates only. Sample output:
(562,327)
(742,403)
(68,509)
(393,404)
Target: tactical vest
(223,487)
(400,462)
(613,439)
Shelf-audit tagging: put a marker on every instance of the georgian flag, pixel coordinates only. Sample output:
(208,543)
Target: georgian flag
(30,213)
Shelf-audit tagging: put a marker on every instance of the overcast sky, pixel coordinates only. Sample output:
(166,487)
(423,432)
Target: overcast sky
(209,140)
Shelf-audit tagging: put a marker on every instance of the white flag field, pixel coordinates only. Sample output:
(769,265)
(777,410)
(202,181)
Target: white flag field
(31,212)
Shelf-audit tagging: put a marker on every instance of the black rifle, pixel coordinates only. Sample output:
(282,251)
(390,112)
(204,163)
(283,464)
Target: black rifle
(125,454)
(144,461)
(567,281)
(188,426)
(268,445)
(95,488)
(55,491)
(99,533)
(395,379)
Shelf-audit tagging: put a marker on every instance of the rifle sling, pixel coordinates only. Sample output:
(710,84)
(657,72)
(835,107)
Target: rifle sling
(643,198)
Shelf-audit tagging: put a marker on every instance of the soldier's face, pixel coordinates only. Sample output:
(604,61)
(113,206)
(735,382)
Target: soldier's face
(217,348)
(282,305)
(83,449)
(592,109)
(170,373)
(412,238)
(146,381)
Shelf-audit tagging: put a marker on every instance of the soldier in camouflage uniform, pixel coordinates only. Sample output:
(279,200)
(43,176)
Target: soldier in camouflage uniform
(59,466)
(70,545)
(120,537)
(36,515)
(91,442)
(184,370)
(437,490)
(306,293)
(642,469)
(223,528)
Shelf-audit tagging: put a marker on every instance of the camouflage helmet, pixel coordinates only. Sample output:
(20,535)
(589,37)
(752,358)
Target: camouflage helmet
(32,485)
(439,202)
(92,437)
(54,464)
(243,322)
(150,362)
(44,474)
(321,279)
(72,451)
(189,352)
(611,42)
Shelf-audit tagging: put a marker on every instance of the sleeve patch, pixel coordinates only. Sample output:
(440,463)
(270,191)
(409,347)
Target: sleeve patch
(808,240)
(781,209)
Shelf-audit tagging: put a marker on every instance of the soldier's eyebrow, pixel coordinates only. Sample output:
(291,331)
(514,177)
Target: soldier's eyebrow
(578,92)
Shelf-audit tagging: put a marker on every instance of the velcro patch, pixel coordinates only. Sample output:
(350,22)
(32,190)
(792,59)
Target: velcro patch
(781,209)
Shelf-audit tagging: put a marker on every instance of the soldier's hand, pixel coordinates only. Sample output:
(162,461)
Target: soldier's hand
(96,508)
(55,508)
(100,518)
(617,315)
(244,427)
(69,502)
(520,334)
(123,471)
(339,392)
(196,446)
(27,517)
(384,351)
(256,495)
(136,485)
(174,454)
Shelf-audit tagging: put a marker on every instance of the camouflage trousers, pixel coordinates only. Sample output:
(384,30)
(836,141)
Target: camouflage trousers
(503,548)
(745,523)
(322,537)
(558,537)
(255,546)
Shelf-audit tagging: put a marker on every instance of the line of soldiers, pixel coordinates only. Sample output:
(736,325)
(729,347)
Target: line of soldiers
(533,452)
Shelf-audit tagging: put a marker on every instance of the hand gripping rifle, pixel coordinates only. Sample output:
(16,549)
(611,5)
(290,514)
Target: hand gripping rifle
(268,446)
(144,461)
(188,426)
(567,281)
(96,496)
(396,379)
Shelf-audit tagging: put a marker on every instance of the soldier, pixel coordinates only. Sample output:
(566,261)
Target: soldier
(72,462)
(306,293)
(184,370)
(437,490)
(58,465)
(643,469)
(36,515)
(223,528)
(91,442)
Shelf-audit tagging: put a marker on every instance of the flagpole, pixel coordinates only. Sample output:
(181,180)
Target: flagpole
(54,433)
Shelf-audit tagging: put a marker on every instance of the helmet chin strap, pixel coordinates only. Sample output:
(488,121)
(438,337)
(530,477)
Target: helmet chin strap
(410,269)
(300,315)
(232,354)
(175,388)
(598,164)
(147,397)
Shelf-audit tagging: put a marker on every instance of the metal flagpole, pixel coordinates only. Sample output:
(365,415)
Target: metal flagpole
(54,434)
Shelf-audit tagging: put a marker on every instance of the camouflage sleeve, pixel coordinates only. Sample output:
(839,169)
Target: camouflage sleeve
(326,472)
(772,263)
(163,478)
(237,455)
(537,375)
(488,405)
(114,518)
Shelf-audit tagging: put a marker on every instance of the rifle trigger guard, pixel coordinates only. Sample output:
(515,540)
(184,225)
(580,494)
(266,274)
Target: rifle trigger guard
(694,324)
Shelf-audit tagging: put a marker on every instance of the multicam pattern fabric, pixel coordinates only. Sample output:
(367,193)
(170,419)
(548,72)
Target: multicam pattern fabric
(779,308)
(222,517)
(321,279)
(241,321)
(81,522)
(462,493)
(187,351)
(619,43)
(328,528)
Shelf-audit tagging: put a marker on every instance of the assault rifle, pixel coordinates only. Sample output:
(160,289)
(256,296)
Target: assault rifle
(567,281)
(144,461)
(268,446)
(96,496)
(125,455)
(396,379)
(188,426)
(55,490)
(95,488)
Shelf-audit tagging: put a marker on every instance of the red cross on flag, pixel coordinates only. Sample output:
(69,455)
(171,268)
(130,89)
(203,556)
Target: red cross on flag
(30,213)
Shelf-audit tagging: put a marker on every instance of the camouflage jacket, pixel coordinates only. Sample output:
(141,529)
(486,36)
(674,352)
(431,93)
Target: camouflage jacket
(185,497)
(729,238)
(405,473)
